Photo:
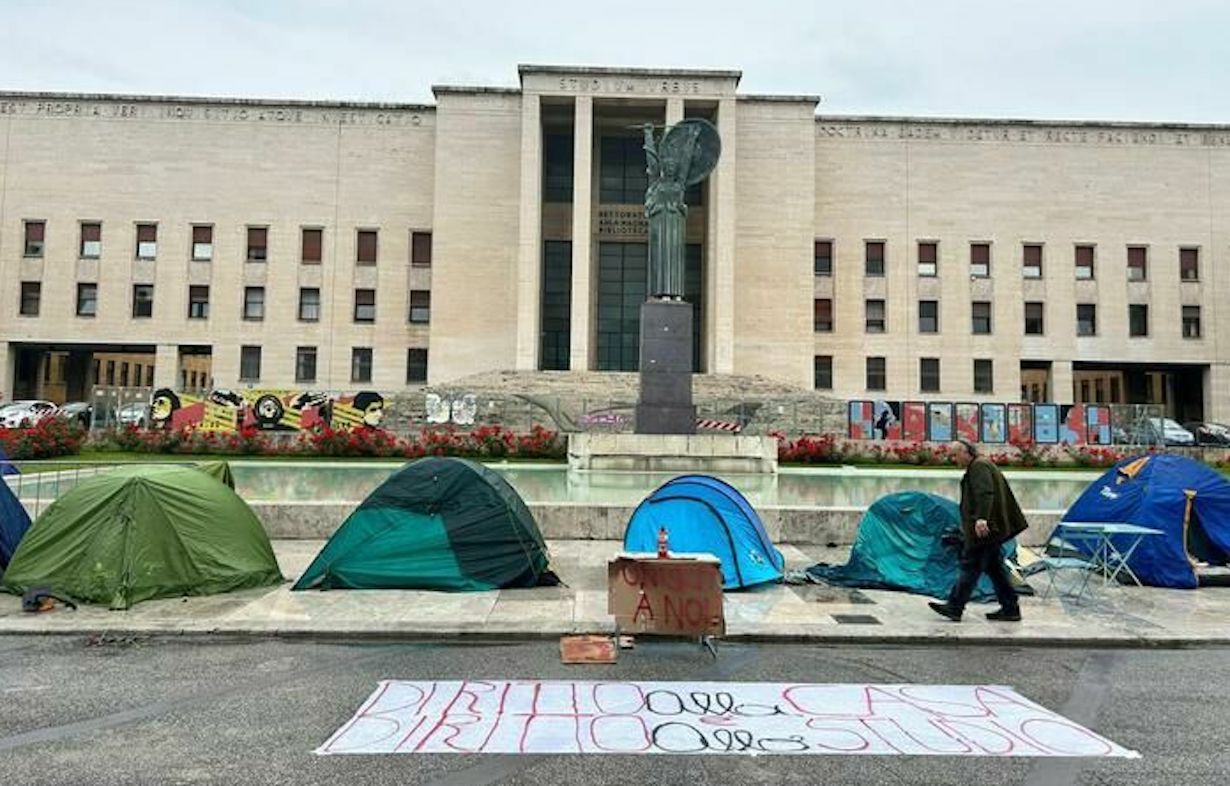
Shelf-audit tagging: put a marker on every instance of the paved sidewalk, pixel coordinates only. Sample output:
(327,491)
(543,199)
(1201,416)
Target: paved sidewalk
(1115,615)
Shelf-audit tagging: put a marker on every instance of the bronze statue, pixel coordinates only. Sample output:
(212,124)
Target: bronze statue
(686,155)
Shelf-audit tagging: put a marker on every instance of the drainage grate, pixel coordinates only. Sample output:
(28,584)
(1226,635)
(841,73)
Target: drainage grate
(856,619)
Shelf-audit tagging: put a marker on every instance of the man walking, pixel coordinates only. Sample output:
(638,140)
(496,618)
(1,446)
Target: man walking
(990,515)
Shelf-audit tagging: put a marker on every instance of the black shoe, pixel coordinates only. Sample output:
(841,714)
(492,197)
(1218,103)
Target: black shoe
(1003,615)
(944,610)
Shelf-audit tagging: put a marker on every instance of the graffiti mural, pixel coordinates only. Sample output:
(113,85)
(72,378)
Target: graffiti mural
(267,410)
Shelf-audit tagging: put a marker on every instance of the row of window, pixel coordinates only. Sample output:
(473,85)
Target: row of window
(305,364)
(1084,256)
(876,321)
(253,302)
(928,374)
(311,243)
(142,374)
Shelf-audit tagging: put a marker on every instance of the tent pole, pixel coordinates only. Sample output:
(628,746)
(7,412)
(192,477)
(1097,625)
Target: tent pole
(1187,521)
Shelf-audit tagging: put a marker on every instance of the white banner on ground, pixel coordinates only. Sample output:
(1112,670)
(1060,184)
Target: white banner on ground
(753,718)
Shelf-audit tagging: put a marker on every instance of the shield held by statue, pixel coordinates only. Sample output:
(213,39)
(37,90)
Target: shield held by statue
(705,146)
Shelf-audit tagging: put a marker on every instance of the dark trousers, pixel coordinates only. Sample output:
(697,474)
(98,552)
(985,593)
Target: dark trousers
(976,560)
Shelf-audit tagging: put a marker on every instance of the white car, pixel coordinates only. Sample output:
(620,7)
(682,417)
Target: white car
(24,414)
(134,415)
(1172,433)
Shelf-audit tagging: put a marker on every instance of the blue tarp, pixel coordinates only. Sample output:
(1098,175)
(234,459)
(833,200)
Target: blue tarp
(1152,491)
(13,523)
(705,515)
(908,541)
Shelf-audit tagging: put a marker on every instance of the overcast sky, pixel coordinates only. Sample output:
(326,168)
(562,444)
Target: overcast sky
(1100,59)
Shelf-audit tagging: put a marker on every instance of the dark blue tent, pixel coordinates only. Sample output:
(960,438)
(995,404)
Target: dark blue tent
(910,541)
(1154,491)
(7,467)
(14,521)
(705,515)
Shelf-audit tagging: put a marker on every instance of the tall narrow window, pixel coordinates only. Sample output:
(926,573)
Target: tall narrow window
(822,372)
(824,258)
(928,316)
(876,321)
(1189,264)
(1033,318)
(202,242)
(1032,260)
(309,304)
(311,245)
(365,247)
(981,312)
(1138,263)
(1086,319)
(87,300)
(876,373)
(305,364)
(365,305)
(420,306)
(980,260)
(361,364)
(416,365)
(874,264)
(31,298)
(1084,262)
(147,241)
(35,233)
(1191,322)
(984,376)
(1138,320)
(254,303)
(928,254)
(557,159)
(929,375)
(258,244)
(91,240)
(822,319)
(142,300)
(249,363)
(420,249)
(198,302)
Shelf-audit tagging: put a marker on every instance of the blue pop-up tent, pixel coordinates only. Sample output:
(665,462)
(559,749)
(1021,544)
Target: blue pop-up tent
(910,541)
(702,514)
(7,467)
(14,521)
(1185,499)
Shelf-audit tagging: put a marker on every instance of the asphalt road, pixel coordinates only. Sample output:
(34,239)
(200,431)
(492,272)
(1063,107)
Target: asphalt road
(188,711)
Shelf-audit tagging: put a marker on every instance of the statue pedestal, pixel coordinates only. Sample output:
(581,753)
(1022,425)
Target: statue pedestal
(665,402)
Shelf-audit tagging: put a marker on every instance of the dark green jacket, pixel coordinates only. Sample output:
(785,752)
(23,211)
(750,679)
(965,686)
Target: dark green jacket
(985,495)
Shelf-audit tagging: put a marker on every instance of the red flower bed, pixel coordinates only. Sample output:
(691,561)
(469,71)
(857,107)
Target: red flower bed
(50,438)
(828,449)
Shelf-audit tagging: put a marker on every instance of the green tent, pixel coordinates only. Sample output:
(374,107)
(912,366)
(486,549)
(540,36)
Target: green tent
(219,470)
(137,533)
(439,524)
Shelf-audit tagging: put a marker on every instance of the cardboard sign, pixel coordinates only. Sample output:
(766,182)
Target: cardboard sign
(681,596)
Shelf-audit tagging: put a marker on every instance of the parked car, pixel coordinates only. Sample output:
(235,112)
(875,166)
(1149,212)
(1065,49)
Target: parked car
(134,415)
(1172,433)
(24,414)
(79,412)
(1209,433)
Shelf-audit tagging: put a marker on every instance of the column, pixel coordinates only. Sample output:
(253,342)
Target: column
(721,240)
(1217,393)
(674,110)
(529,250)
(8,365)
(166,366)
(1061,382)
(581,310)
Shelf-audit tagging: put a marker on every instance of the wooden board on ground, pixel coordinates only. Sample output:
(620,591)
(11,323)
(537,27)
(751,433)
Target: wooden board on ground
(587,649)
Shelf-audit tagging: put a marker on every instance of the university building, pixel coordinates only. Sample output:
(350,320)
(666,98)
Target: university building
(188,243)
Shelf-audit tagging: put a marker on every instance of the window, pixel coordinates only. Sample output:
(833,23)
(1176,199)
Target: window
(420,306)
(110,373)
(87,300)
(1086,319)
(35,231)
(1033,318)
(142,300)
(1189,264)
(929,375)
(91,240)
(361,364)
(365,305)
(980,310)
(258,244)
(1032,260)
(31,297)
(311,243)
(147,241)
(1138,319)
(824,257)
(416,365)
(928,316)
(822,318)
(557,158)
(622,179)
(876,375)
(984,377)
(250,363)
(198,302)
(124,374)
(874,265)
(1084,262)
(254,303)
(1191,322)
(420,249)
(136,374)
(305,364)
(1138,263)
(822,373)
(927,256)
(980,260)
(149,376)
(309,304)
(875,316)
(202,242)
(365,247)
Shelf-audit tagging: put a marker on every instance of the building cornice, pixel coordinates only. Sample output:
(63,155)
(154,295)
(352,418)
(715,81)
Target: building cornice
(18,95)
(667,73)
(1020,122)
